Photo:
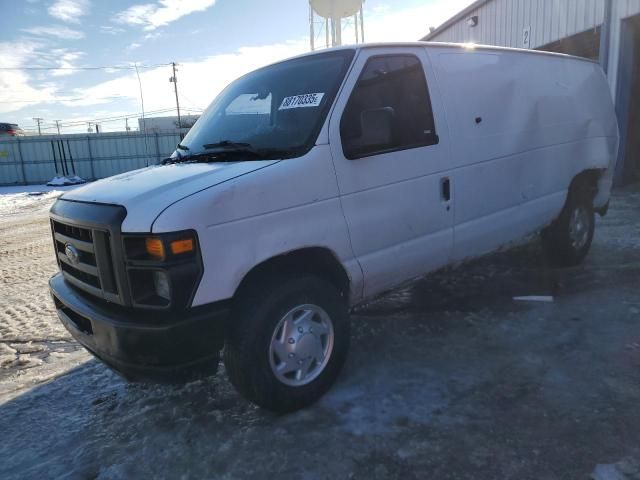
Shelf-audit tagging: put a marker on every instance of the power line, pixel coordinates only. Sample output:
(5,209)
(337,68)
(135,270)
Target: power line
(103,67)
(71,123)
(58,124)
(76,123)
(60,100)
(193,104)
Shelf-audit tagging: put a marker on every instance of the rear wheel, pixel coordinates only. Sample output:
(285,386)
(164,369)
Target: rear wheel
(288,343)
(567,240)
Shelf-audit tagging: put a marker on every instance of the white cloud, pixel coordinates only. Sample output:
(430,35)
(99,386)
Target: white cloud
(194,78)
(379,9)
(133,46)
(15,90)
(153,15)
(202,79)
(108,29)
(69,10)
(65,59)
(59,31)
(384,24)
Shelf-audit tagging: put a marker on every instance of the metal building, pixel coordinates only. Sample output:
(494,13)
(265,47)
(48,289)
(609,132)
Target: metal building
(603,30)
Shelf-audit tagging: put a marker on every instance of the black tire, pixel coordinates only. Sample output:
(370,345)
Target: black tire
(559,239)
(256,316)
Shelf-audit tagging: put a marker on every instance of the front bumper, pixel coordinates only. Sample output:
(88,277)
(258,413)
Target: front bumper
(138,343)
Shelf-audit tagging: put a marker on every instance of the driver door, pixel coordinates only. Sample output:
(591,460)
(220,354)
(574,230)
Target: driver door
(389,143)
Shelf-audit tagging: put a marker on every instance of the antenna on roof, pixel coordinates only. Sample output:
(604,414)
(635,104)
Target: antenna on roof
(332,13)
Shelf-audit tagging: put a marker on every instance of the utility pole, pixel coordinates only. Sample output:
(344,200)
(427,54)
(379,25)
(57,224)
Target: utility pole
(174,79)
(362,23)
(126,124)
(58,125)
(312,34)
(38,120)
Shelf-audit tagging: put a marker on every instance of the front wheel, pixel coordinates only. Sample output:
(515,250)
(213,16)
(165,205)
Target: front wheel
(287,343)
(567,240)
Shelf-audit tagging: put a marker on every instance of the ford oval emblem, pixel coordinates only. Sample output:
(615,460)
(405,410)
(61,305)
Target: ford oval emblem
(72,254)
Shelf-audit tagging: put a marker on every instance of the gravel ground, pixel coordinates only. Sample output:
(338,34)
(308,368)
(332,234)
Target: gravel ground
(447,379)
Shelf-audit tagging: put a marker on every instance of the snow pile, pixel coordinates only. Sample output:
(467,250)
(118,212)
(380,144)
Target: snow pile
(7,355)
(58,181)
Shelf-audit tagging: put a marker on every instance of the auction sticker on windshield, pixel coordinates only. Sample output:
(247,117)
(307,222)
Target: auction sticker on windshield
(301,101)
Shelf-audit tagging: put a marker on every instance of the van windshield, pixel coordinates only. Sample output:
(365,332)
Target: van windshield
(274,112)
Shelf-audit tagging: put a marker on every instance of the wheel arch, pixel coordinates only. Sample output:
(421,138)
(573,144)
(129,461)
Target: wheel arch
(586,182)
(319,261)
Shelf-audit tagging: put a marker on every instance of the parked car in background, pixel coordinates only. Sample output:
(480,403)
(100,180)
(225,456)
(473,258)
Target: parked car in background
(11,130)
(315,184)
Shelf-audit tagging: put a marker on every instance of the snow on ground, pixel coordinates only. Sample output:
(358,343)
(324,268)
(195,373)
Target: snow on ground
(447,378)
(18,189)
(17,199)
(30,334)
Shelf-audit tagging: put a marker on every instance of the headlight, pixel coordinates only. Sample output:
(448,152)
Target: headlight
(163,269)
(161,284)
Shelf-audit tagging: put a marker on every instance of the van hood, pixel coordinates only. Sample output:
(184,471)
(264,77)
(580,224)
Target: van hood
(145,193)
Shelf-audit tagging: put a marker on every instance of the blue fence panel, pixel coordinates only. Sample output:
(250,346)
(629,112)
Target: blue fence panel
(10,164)
(37,159)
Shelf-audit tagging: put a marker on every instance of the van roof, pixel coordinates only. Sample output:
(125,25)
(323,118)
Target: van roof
(465,46)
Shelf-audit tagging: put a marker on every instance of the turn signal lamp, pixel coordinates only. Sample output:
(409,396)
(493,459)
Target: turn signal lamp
(155,248)
(182,246)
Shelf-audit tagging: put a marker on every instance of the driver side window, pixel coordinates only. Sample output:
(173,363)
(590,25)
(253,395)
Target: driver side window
(389,108)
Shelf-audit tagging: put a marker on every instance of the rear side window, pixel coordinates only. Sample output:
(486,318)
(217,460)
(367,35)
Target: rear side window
(389,108)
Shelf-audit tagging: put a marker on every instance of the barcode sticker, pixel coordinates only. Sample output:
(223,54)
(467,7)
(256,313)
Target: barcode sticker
(301,101)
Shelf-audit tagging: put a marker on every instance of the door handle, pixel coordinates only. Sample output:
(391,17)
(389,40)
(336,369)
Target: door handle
(445,189)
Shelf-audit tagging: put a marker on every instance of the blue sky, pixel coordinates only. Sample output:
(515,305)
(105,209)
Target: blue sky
(214,41)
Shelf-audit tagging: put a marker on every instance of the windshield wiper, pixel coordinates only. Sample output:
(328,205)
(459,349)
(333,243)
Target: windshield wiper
(228,145)
(227,151)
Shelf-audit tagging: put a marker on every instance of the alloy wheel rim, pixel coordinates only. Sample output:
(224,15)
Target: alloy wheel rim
(301,345)
(579,227)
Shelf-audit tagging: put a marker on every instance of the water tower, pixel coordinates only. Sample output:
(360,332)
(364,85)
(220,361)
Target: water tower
(334,16)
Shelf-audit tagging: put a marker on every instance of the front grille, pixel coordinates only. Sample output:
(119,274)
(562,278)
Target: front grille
(85,259)
(79,233)
(87,278)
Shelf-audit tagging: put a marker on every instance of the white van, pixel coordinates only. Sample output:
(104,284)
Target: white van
(314,184)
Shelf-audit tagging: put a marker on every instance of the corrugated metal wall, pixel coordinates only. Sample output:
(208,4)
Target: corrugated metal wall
(621,9)
(30,160)
(502,22)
